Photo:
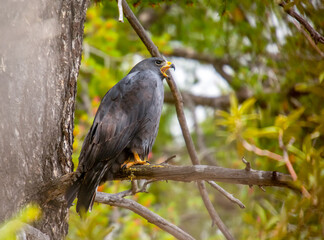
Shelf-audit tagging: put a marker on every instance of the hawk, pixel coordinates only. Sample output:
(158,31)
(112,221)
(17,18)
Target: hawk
(123,131)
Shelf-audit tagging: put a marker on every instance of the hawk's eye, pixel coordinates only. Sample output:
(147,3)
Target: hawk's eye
(158,62)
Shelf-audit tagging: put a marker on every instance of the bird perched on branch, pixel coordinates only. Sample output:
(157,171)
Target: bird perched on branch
(123,130)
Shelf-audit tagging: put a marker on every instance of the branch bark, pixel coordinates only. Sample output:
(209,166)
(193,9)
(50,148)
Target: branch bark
(206,173)
(221,102)
(55,189)
(314,34)
(115,200)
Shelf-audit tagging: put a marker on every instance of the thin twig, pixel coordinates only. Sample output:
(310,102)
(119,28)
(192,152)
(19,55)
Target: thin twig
(310,40)
(288,163)
(200,136)
(168,159)
(247,164)
(286,157)
(120,10)
(220,102)
(226,194)
(113,200)
(314,34)
(202,147)
(261,152)
(181,117)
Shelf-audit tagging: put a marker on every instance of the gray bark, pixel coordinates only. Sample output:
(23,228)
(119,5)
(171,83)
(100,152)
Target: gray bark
(40,54)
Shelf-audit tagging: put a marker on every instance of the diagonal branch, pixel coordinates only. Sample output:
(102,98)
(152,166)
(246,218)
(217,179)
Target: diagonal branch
(309,38)
(314,34)
(115,200)
(181,117)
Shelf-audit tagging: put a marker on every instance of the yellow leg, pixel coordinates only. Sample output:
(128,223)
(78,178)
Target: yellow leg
(137,160)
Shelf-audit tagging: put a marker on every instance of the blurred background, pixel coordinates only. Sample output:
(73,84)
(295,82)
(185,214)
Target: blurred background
(252,80)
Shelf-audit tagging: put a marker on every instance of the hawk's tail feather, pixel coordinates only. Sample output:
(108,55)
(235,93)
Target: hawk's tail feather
(73,190)
(87,190)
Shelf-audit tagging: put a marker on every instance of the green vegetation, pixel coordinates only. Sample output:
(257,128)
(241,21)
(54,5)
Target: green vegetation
(268,57)
(11,228)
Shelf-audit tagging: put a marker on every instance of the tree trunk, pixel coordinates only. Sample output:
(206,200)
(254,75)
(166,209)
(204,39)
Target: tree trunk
(40,54)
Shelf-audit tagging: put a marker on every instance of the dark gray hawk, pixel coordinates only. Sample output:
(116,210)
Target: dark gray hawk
(123,130)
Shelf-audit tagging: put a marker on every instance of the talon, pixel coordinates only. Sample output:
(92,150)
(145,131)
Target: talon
(137,160)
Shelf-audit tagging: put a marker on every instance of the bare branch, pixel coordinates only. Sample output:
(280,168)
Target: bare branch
(29,232)
(226,194)
(207,173)
(217,63)
(113,200)
(136,25)
(314,34)
(248,164)
(221,102)
(57,188)
(194,157)
(202,148)
(310,40)
(261,152)
(288,163)
(286,157)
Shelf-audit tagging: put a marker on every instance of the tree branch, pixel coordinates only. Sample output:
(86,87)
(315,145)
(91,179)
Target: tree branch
(221,102)
(309,38)
(29,232)
(217,63)
(226,194)
(314,34)
(57,188)
(138,28)
(207,173)
(115,200)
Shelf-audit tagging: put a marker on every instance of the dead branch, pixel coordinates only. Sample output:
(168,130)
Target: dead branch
(309,38)
(226,194)
(261,152)
(206,173)
(57,188)
(115,200)
(314,34)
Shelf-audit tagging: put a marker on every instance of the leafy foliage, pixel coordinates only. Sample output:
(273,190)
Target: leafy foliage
(262,51)
(11,228)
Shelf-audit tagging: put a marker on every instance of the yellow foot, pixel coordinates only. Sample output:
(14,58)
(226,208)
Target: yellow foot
(137,160)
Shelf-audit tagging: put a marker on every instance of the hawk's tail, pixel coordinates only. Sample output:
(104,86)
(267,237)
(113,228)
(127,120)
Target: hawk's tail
(85,188)
(73,190)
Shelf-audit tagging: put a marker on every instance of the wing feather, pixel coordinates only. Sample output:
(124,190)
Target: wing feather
(118,119)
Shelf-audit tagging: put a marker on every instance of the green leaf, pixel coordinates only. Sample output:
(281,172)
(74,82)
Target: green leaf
(246,105)
(321,77)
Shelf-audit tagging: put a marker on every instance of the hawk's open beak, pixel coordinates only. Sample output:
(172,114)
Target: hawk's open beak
(166,67)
